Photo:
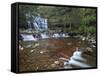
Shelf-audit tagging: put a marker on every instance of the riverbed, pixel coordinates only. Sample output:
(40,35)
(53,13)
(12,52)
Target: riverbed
(50,53)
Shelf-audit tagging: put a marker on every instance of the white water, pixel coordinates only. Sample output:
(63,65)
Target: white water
(79,64)
(44,36)
(28,37)
(56,35)
(78,60)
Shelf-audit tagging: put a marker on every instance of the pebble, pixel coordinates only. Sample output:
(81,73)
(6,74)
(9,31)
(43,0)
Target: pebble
(83,38)
(21,48)
(69,43)
(31,51)
(41,52)
(64,59)
(56,62)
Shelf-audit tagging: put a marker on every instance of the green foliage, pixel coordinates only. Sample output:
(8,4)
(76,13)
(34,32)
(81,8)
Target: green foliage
(23,10)
(85,29)
(69,18)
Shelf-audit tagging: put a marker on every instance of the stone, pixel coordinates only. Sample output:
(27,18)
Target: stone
(64,59)
(31,51)
(28,46)
(56,62)
(41,52)
(37,44)
(89,49)
(53,65)
(21,48)
(83,38)
(69,43)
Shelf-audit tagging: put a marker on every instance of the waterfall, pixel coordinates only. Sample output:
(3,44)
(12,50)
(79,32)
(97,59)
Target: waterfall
(40,24)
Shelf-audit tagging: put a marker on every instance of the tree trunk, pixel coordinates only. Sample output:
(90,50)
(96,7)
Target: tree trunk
(70,26)
(64,27)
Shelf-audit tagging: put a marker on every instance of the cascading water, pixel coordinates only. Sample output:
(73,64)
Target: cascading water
(40,24)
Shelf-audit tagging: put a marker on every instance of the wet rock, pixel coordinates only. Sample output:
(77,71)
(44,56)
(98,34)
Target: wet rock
(36,45)
(72,34)
(56,62)
(53,65)
(64,59)
(89,49)
(28,46)
(31,51)
(21,48)
(20,37)
(83,38)
(41,52)
(93,46)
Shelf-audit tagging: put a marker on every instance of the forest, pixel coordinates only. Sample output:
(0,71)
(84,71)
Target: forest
(66,19)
